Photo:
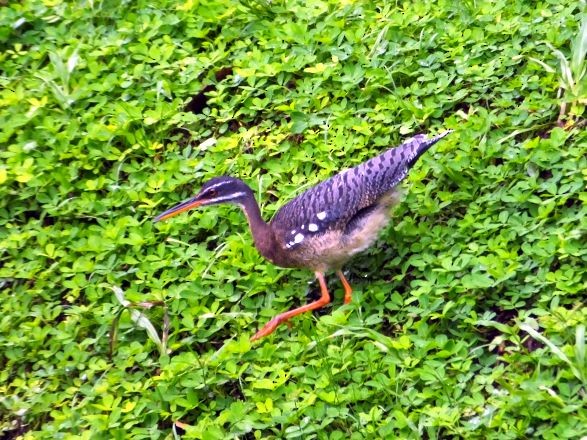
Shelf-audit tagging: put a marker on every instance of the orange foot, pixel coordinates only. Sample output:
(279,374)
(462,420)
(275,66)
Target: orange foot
(284,317)
(267,328)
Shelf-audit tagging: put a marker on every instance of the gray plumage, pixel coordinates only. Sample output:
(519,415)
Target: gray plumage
(345,201)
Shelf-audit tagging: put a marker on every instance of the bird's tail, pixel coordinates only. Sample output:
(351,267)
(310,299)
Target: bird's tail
(421,144)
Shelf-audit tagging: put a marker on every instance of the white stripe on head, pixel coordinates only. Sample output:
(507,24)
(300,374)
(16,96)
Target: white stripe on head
(225,198)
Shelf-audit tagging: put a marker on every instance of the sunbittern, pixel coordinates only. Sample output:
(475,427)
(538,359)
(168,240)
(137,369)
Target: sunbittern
(326,225)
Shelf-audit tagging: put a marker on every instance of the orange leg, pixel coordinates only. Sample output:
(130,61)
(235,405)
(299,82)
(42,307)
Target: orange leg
(283,317)
(347,287)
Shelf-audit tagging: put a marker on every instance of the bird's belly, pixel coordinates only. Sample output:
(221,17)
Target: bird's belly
(365,233)
(333,248)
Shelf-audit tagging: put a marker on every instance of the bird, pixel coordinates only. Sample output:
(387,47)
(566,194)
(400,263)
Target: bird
(322,228)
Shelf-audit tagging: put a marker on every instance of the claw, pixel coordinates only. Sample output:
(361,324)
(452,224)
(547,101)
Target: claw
(267,328)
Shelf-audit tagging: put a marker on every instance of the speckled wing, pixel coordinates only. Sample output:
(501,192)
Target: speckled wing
(333,203)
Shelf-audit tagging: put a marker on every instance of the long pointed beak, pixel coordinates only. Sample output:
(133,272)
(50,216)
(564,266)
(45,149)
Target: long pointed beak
(183,206)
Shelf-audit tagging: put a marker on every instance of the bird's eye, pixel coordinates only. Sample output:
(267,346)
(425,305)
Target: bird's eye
(212,193)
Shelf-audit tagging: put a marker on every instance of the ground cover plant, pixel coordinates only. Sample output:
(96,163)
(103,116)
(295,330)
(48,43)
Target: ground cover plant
(468,319)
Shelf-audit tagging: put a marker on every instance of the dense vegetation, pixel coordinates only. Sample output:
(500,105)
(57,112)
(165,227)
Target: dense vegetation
(469,314)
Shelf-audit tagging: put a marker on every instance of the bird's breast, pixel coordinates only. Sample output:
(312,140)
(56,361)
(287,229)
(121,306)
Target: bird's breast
(334,247)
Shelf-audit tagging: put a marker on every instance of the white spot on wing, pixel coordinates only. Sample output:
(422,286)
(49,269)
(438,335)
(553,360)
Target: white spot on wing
(321,215)
(312,227)
(294,231)
(298,238)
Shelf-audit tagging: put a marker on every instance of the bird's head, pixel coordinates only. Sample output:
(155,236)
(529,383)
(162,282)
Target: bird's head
(223,189)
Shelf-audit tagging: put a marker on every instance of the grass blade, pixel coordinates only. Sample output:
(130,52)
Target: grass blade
(579,48)
(555,350)
(142,321)
(580,346)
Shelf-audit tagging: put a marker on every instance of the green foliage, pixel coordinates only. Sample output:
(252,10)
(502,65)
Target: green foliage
(468,318)
(573,74)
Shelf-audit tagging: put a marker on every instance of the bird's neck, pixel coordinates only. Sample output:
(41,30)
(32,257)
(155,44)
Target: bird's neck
(262,232)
